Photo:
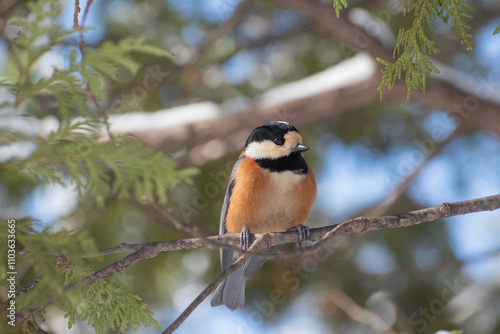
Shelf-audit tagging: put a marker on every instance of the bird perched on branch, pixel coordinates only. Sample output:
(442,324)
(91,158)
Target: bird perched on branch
(271,189)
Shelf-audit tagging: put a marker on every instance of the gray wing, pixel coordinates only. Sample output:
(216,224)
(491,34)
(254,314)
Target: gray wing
(231,292)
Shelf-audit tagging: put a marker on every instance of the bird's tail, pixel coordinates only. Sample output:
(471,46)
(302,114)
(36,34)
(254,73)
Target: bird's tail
(231,292)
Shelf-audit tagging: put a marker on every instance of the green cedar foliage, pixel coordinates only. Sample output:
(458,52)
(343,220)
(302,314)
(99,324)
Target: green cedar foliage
(43,246)
(121,166)
(103,304)
(38,35)
(106,305)
(338,5)
(78,153)
(414,46)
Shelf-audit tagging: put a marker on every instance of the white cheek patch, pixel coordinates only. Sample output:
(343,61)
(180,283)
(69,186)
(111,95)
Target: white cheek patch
(264,150)
(268,150)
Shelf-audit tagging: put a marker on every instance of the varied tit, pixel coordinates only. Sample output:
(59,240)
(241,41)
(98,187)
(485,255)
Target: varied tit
(271,189)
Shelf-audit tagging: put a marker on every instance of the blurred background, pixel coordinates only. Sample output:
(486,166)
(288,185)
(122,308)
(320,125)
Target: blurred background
(239,64)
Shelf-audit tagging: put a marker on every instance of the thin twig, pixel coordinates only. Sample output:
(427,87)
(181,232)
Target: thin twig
(22,291)
(192,231)
(220,31)
(259,244)
(359,313)
(102,114)
(176,223)
(231,241)
(123,247)
(35,329)
(76,11)
(381,207)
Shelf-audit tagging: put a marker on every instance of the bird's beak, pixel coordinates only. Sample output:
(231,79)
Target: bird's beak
(300,148)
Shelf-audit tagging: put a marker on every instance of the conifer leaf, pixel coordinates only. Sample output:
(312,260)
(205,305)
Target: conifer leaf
(94,82)
(338,4)
(36,36)
(415,58)
(122,166)
(76,154)
(40,33)
(109,56)
(106,305)
(42,243)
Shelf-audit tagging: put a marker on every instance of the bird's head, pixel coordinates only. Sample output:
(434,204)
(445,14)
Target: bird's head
(274,140)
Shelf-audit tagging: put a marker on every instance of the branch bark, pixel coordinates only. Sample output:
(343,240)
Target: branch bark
(359,313)
(258,245)
(438,95)
(357,225)
(321,234)
(472,109)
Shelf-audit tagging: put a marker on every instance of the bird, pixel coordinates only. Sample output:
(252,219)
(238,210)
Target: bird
(271,189)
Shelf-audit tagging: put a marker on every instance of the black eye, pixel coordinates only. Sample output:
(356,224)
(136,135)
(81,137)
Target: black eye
(279,141)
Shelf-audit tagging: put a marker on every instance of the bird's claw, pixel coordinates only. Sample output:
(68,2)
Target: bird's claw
(304,234)
(245,238)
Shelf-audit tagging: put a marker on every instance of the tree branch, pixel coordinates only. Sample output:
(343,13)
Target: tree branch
(473,109)
(321,234)
(258,245)
(438,95)
(213,36)
(382,206)
(360,314)
(357,225)
(347,33)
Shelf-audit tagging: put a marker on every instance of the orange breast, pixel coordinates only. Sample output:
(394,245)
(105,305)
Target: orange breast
(269,202)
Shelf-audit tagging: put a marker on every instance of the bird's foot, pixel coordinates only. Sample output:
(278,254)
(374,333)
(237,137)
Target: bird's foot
(304,234)
(245,238)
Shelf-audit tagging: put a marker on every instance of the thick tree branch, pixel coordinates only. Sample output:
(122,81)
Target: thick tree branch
(301,112)
(358,225)
(438,95)
(472,109)
(321,234)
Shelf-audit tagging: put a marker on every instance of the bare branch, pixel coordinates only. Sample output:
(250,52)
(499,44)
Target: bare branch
(220,31)
(258,245)
(347,33)
(383,205)
(102,114)
(22,291)
(321,234)
(359,313)
(357,225)
(474,110)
